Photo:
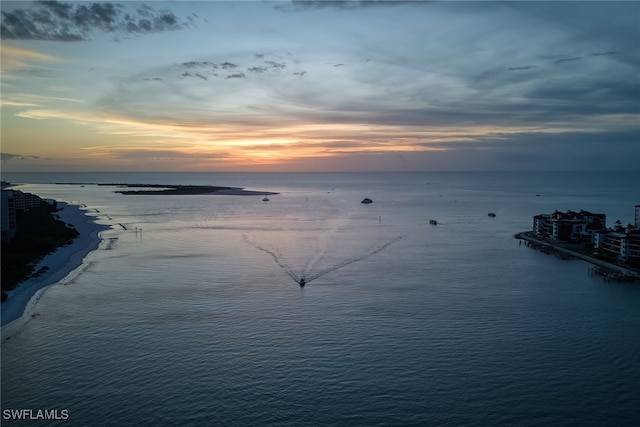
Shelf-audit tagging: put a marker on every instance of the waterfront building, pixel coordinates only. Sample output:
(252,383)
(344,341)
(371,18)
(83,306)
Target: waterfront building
(25,201)
(620,246)
(633,249)
(610,245)
(598,237)
(567,229)
(570,226)
(593,221)
(8,215)
(14,201)
(619,243)
(542,226)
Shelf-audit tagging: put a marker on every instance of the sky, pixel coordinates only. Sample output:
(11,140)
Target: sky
(348,85)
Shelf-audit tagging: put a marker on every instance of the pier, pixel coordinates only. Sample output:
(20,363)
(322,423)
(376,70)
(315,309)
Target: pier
(603,268)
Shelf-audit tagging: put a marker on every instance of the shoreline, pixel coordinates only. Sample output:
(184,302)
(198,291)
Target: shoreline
(626,271)
(62,262)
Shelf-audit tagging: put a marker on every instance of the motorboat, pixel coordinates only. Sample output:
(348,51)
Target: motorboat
(366,200)
(492,215)
(302,282)
(433,222)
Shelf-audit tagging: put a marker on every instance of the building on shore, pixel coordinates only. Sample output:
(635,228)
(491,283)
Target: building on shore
(622,245)
(568,227)
(8,215)
(14,201)
(25,201)
(619,243)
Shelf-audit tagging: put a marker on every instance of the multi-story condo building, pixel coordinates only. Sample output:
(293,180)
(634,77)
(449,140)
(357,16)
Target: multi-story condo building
(25,201)
(8,215)
(620,246)
(15,201)
(570,226)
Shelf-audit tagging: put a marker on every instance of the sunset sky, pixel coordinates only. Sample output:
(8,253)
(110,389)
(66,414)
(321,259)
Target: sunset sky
(320,86)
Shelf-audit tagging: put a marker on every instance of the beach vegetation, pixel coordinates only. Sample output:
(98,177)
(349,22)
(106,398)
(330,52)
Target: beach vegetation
(38,233)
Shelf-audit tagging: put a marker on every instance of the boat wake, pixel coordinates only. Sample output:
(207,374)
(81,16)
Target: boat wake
(307,277)
(277,257)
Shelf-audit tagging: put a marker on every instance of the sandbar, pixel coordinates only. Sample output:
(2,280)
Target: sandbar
(61,263)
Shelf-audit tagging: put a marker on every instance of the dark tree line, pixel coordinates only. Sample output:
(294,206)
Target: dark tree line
(38,233)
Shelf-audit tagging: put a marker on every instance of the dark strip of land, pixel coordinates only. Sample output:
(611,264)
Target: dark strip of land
(156,189)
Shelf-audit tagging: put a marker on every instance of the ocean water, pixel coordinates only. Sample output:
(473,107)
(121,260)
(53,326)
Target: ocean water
(197,319)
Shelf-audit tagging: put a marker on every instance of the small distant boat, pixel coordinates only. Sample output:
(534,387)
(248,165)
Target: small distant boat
(492,215)
(266,199)
(302,282)
(366,200)
(433,222)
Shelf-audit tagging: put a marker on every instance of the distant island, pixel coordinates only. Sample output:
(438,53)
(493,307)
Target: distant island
(180,190)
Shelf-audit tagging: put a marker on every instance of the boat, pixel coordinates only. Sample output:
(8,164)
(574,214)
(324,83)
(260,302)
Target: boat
(492,215)
(433,222)
(366,200)
(266,199)
(302,282)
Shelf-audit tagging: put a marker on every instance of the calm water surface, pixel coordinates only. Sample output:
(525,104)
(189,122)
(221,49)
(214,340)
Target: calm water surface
(197,320)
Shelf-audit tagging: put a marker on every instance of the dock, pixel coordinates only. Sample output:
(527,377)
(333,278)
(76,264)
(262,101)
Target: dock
(603,268)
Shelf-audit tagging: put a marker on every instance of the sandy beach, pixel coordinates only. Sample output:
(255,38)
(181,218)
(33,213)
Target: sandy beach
(61,263)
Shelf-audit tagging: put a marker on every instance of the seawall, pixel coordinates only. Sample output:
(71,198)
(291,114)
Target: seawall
(549,246)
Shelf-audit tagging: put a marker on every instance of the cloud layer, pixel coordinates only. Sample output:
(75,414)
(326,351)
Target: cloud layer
(409,85)
(61,21)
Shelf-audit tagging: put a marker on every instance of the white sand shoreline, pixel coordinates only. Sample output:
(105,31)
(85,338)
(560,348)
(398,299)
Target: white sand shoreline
(63,262)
